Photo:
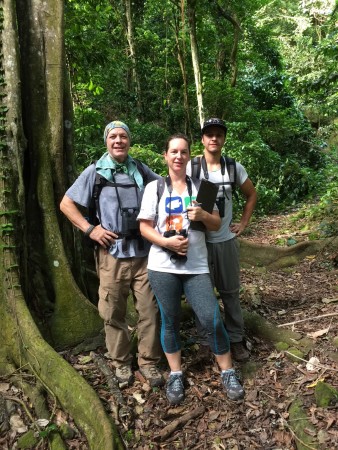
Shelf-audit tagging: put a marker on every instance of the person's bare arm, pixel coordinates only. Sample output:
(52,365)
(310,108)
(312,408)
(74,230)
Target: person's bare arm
(104,237)
(249,192)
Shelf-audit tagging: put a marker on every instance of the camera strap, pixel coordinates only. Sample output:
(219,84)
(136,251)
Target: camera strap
(170,190)
(118,195)
(136,236)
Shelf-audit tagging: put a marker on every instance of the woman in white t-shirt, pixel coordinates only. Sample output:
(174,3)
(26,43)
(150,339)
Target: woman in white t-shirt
(178,263)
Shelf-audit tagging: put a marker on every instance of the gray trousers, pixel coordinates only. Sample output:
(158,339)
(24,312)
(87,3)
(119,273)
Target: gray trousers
(224,271)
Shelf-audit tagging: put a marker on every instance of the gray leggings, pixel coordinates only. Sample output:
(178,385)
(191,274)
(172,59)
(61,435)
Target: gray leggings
(168,289)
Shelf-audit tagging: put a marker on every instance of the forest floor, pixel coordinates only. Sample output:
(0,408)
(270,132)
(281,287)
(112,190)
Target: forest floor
(305,294)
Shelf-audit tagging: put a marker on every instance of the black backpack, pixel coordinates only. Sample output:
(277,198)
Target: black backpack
(226,162)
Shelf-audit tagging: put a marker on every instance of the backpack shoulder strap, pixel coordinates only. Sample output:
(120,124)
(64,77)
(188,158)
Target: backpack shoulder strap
(160,190)
(140,168)
(231,168)
(92,218)
(197,183)
(94,206)
(196,167)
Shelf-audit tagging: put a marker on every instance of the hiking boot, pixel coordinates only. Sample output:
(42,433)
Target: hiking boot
(124,374)
(152,375)
(239,352)
(232,385)
(203,353)
(175,389)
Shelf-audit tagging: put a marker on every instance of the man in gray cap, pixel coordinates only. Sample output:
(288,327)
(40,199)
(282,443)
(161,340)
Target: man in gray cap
(121,252)
(223,250)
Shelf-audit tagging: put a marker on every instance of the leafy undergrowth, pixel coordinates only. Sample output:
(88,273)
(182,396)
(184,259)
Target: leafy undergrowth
(306,298)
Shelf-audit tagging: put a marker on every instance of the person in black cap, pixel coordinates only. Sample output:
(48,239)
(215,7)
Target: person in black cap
(223,248)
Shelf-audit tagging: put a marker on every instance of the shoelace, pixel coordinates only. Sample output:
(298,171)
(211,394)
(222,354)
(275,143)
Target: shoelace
(124,370)
(154,372)
(231,379)
(176,382)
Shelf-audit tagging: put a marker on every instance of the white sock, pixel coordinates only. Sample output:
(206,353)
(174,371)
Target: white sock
(176,372)
(228,370)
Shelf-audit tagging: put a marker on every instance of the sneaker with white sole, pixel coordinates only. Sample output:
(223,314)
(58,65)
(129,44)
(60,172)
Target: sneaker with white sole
(175,389)
(232,385)
(152,375)
(124,374)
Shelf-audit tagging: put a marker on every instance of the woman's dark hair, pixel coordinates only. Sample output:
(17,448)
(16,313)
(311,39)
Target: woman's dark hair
(177,136)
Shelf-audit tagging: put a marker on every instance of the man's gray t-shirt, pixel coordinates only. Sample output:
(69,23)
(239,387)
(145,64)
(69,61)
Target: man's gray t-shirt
(110,214)
(224,233)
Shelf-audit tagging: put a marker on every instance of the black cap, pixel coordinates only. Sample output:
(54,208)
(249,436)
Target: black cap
(214,122)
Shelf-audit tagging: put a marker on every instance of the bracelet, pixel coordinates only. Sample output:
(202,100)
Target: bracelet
(89,230)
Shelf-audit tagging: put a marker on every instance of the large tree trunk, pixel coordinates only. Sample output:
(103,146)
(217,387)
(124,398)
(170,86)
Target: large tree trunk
(34,271)
(42,78)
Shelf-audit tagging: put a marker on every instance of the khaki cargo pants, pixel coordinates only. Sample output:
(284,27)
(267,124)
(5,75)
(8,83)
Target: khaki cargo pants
(117,278)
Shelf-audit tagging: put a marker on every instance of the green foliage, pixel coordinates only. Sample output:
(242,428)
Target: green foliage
(307,39)
(149,135)
(149,139)
(153,159)
(280,113)
(324,212)
(287,132)
(89,126)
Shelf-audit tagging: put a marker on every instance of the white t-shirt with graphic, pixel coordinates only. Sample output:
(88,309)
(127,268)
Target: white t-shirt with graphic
(172,216)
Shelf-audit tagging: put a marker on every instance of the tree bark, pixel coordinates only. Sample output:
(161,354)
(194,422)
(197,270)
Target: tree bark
(273,257)
(42,79)
(33,267)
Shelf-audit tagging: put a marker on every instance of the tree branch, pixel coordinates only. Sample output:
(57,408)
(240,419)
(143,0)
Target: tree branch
(169,429)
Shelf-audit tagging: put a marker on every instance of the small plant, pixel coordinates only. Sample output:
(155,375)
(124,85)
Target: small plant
(128,436)
(48,430)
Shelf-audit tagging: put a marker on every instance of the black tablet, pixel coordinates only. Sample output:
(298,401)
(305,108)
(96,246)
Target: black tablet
(206,195)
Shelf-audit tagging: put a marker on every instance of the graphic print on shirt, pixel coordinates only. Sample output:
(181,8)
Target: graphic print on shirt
(175,207)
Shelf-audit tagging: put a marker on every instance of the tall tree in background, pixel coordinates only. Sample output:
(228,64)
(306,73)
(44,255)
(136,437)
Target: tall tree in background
(133,57)
(35,276)
(231,17)
(179,29)
(191,9)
